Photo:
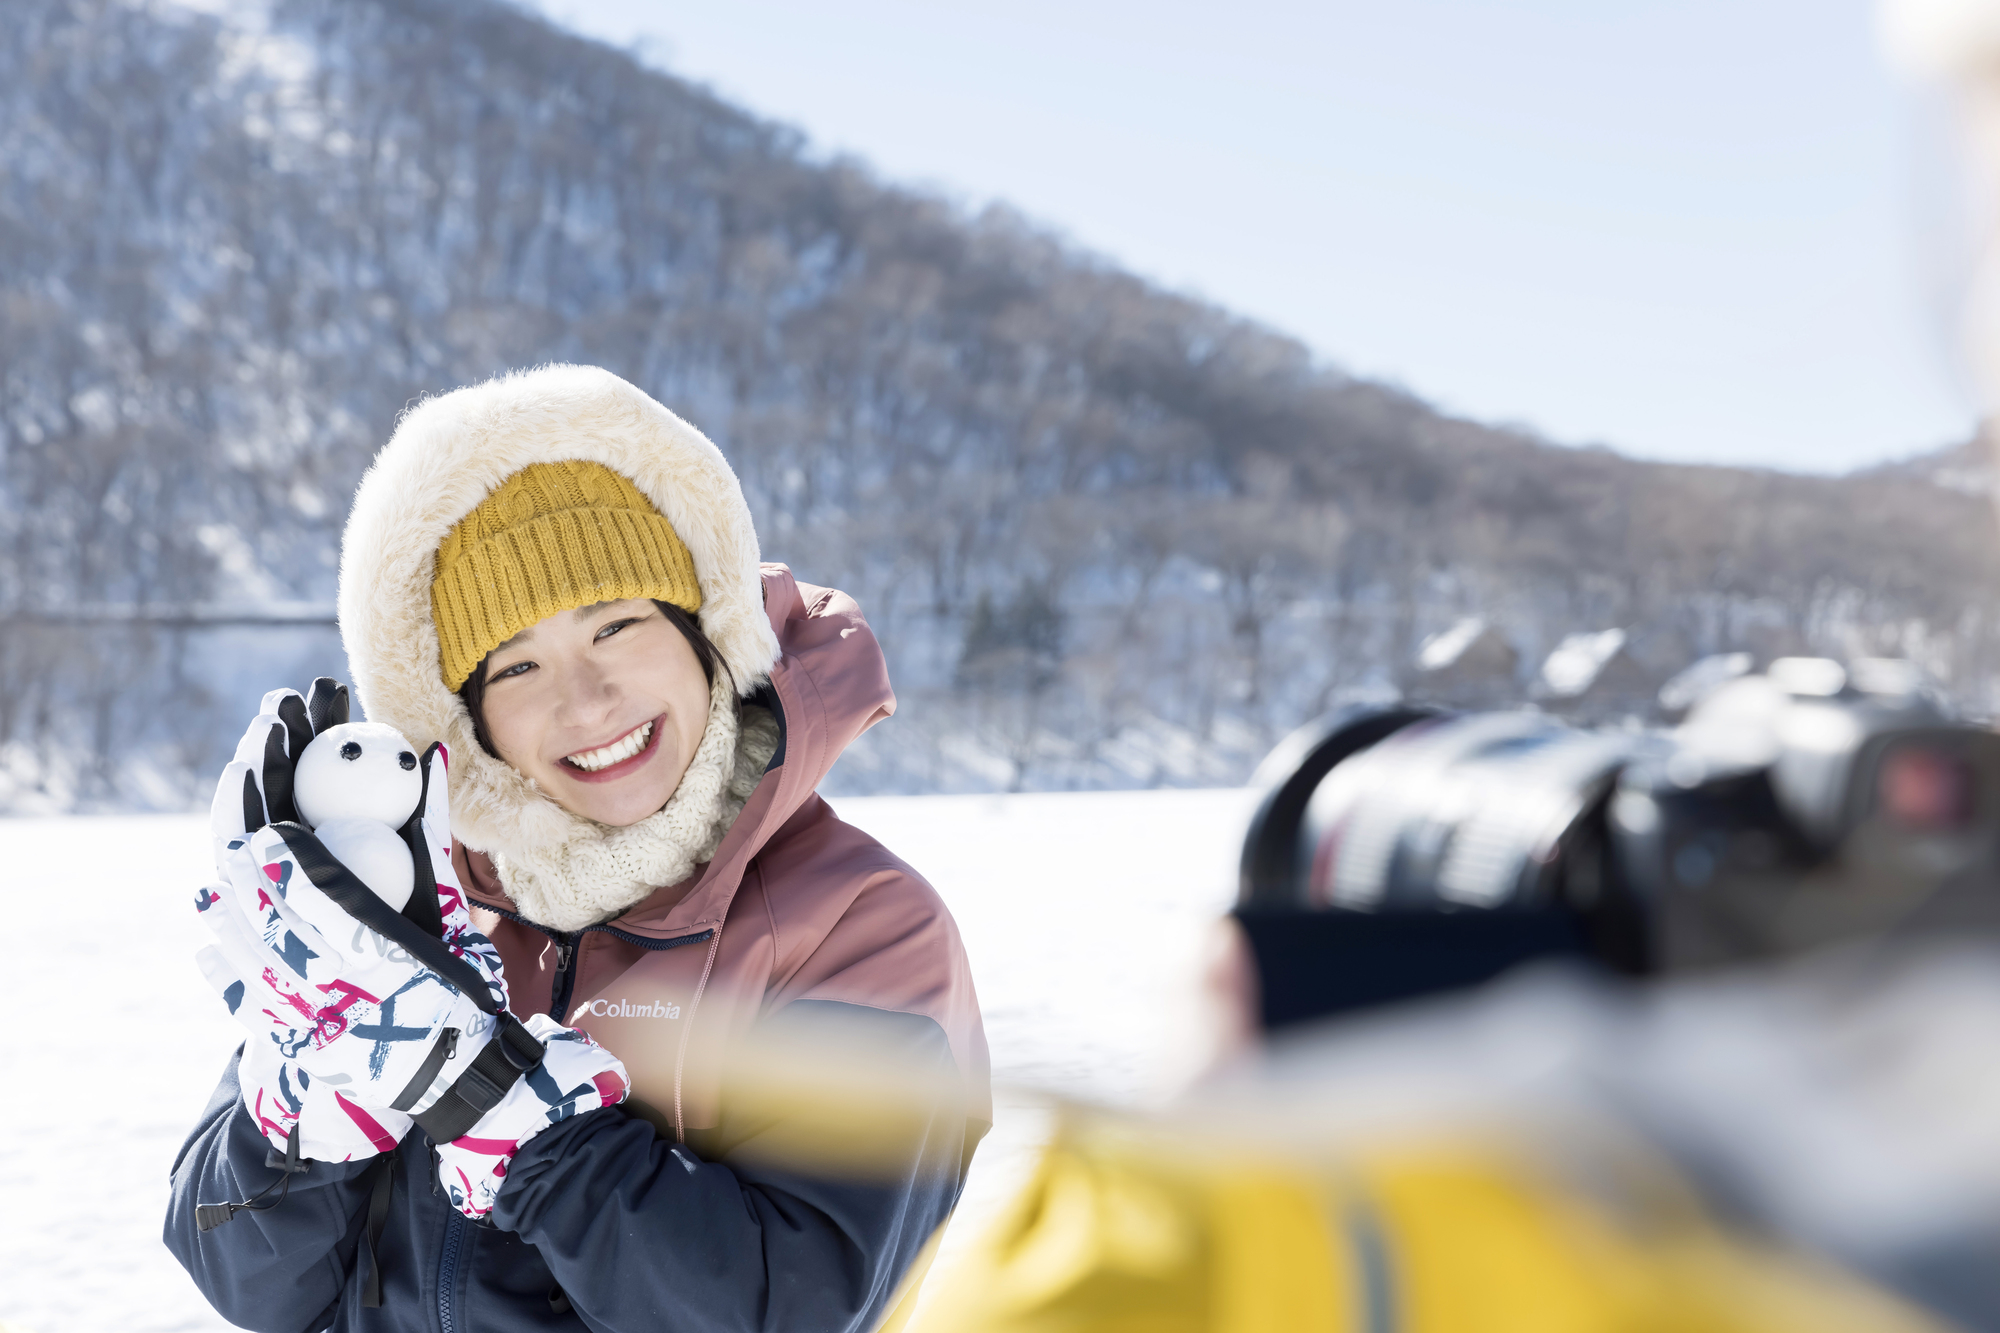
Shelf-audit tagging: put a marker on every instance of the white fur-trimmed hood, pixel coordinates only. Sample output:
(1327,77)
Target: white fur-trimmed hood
(446,455)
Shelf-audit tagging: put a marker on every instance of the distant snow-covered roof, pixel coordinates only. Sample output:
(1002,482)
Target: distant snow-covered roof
(1445,647)
(1578,660)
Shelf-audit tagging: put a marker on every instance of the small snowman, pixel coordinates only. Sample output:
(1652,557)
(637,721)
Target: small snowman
(356,785)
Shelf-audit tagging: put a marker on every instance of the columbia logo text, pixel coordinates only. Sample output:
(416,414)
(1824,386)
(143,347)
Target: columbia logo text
(627,1009)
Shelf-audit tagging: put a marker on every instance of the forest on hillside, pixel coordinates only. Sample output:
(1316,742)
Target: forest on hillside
(1109,535)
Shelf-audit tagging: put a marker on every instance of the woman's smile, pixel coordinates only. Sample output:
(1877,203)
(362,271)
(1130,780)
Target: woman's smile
(622,757)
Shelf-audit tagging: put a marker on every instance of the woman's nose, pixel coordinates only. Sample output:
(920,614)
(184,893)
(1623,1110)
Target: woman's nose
(589,695)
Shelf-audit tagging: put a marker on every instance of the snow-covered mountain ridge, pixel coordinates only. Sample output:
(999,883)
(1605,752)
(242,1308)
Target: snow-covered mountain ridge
(1110,536)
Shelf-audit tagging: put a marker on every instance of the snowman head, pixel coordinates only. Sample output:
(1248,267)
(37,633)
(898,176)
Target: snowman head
(358,770)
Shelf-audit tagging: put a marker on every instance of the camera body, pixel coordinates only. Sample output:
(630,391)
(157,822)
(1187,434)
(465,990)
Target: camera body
(1407,849)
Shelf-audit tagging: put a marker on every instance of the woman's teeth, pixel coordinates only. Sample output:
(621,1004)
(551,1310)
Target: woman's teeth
(592,760)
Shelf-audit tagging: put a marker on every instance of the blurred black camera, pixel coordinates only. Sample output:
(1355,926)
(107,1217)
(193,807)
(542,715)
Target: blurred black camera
(1406,850)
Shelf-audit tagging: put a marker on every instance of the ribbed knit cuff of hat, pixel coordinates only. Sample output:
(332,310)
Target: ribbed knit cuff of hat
(595,871)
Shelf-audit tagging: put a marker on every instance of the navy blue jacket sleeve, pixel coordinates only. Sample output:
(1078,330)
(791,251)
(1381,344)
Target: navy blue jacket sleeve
(277,1271)
(644,1234)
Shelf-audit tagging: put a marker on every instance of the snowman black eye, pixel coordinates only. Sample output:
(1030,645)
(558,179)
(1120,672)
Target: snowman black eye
(406,760)
(351,750)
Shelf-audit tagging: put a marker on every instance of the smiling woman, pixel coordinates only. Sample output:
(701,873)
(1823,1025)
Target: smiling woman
(558,581)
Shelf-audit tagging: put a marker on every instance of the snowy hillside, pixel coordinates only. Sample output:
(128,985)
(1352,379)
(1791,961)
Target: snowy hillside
(1110,536)
(1082,914)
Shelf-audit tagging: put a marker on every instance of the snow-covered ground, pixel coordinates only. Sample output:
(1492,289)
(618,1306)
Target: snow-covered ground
(1083,915)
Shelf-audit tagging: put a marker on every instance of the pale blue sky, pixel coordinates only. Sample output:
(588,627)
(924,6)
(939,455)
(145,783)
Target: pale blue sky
(1689,229)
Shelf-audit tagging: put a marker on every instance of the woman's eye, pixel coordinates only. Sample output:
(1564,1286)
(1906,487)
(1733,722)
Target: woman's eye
(517,669)
(615,626)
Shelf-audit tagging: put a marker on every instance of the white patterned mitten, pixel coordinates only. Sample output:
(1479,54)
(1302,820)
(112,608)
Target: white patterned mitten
(576,1075)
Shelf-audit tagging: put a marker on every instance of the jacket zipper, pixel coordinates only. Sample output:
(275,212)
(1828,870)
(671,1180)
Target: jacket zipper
(566,942)
(449,1263)
(565,982)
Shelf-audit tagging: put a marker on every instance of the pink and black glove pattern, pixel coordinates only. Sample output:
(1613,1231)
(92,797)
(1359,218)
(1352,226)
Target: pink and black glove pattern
(387,1010)
(348,1005)
(576,1075)
(280,1096)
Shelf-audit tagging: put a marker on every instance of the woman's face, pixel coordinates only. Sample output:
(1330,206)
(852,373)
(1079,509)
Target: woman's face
(602,706)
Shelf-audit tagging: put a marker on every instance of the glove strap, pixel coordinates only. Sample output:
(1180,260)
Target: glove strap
(209,1216)
(512,1052)
(347,892)
(379,1194)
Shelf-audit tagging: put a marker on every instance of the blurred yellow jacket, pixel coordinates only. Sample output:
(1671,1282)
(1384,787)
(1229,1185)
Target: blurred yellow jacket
(1131,1226)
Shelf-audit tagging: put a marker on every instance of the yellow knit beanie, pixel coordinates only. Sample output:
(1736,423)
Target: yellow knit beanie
(552,537)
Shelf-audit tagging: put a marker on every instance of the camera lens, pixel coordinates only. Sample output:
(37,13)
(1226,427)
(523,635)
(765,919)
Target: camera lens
(1924,789)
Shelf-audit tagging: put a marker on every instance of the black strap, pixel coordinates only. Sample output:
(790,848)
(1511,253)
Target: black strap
(379,1191)
(499,1065)
(341,885)
(209,1216)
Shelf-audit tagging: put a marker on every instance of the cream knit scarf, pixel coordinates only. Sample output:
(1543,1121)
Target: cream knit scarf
(595,871)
